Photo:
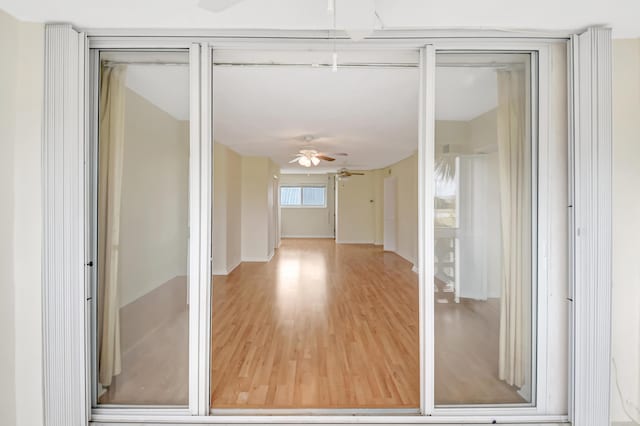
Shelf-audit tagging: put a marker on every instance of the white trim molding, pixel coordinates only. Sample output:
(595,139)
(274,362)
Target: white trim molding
(65,361)
(200,205)
(590,225)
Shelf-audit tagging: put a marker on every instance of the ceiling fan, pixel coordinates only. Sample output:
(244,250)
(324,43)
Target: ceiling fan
(344,173)
(309,157)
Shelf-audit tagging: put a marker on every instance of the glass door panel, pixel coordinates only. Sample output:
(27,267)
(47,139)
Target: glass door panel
(483,230)
(142,316)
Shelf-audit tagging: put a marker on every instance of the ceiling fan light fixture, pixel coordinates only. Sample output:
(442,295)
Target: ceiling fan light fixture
(315,161)
(305,161)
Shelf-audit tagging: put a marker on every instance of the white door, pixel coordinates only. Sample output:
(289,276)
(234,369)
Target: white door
(472,196)
(390,193)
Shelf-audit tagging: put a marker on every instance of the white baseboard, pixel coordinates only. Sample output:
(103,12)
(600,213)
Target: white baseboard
(226,271)
(234,266)
(307,236)
(414,268)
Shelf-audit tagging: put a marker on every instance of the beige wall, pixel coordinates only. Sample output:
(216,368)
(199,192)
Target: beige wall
(21,95)
(154,212)
(8,101)
(626,227)
(313,221)
(483,132)
(245,209)
(355,222)
(226,210)
(361,204)
(273,209)
(453,133)
(234,210)
(406,173)
(257,208)
(220,194)
(378,209)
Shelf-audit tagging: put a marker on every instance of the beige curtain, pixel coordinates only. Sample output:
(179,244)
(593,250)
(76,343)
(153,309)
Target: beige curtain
(515,210)
(111,147)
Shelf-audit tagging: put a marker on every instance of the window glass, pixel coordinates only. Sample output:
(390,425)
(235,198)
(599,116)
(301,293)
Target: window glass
(290,196)
(313,196)
(484,227)
(303,196)
(141,341)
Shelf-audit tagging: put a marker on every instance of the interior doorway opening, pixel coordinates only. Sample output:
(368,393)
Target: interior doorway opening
(320,315)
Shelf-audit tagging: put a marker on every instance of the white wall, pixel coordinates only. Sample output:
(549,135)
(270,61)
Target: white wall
(155,194)
(21,95)
(626,228)
(483,136)
(312,221)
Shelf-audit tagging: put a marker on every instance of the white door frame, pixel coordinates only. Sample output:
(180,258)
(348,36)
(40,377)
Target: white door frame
(67,394)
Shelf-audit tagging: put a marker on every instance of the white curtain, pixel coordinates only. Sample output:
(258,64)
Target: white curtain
(111,147)
(515,212)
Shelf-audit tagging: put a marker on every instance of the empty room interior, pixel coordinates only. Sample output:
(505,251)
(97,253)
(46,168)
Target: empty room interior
(315,288)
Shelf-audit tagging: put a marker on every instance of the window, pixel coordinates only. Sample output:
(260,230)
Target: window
(303,196)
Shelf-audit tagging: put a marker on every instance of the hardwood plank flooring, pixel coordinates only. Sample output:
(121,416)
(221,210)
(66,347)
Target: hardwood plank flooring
(321,325)
(466,354)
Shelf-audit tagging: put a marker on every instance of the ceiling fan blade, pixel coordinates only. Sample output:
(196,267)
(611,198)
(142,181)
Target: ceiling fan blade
(356,174)
(325,158)
(217,5)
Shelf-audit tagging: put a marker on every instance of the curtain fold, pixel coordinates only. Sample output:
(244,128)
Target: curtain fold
(515,218)
(110,147)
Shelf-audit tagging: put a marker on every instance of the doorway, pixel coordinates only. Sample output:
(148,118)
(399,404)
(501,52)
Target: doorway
(328,320)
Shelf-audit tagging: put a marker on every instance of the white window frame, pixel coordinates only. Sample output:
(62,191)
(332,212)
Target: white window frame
(66,151)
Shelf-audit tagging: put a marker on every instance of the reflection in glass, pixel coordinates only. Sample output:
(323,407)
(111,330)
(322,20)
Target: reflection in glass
(483,230)
(143,158)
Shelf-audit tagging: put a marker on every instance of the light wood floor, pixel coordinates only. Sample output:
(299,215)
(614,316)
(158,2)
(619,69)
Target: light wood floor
(466,353)
(321,325)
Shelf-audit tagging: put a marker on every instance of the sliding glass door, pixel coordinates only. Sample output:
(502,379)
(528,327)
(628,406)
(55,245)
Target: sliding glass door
(142,203)
(484,230)
(466,338)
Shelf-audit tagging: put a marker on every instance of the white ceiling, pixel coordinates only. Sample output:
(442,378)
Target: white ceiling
(372,114)
(622,15)
(369,113)
(462,93)
(166,86)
